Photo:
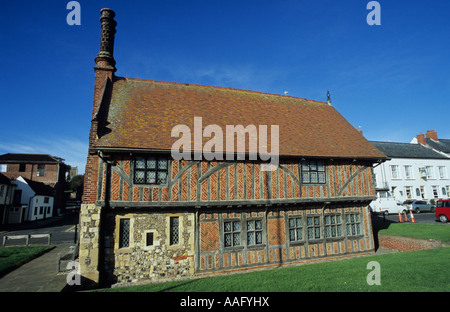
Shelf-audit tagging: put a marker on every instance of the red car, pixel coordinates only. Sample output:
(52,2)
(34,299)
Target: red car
(443,210)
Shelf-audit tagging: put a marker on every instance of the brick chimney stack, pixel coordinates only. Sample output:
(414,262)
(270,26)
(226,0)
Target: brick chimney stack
(431,134)
(421,139)
(105,58)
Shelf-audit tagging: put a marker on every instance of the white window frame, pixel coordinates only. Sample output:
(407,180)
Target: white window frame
(409,172)
(430,172)
(395,174)
(442,172)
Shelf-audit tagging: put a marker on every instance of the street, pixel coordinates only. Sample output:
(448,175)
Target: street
(423,218)
(61,228)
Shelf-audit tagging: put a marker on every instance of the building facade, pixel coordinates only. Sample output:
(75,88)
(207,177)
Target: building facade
(42,168)
(147,215)
(413,171)
(7,187)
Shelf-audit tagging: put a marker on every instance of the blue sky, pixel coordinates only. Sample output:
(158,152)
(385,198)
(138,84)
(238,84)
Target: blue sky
(393,80)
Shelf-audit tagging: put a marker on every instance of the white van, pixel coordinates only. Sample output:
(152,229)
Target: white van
(386,204)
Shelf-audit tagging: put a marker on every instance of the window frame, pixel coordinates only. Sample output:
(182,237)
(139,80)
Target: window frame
(147,169)
(296,228)
(315,227)
(357,222)
(334,224)
(122,229)
(174,238)
(255,230)
(310,167)
(232,232)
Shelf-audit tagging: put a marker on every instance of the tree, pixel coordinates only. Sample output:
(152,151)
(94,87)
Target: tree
(76,185)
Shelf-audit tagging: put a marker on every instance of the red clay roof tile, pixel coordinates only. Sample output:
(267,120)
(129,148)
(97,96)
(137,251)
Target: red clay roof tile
(142,114)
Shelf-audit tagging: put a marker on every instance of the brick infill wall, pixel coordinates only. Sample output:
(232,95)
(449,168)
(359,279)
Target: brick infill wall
(407,243)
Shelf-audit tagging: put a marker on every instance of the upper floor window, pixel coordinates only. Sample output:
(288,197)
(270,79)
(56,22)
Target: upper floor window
(313,172)
(3,167)
(150,170)
(22,167)
(41,170)
(395,173)
(408,172)
(430,172)
(442,172)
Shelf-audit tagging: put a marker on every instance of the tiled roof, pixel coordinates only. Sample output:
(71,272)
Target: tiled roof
(27,158)
(40,188)
(442,145)
(4,179)
(142,114)
(407,150)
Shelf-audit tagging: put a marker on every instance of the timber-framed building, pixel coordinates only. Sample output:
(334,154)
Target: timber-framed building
(147,216)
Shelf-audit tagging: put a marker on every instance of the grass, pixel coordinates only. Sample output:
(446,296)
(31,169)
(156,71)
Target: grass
(424,231)
(13,257)
(419,271)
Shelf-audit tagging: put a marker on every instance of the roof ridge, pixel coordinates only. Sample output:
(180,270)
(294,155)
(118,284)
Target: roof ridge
(219,87)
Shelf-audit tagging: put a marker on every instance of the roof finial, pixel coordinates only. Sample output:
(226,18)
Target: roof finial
(328,97)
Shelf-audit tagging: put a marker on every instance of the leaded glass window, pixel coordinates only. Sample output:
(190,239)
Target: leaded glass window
(232,233)
(124,233)
(174,230)
(313,172)
(254,232)
(333,226)
(150,170)
(353,224)
(313,224)
(295,229)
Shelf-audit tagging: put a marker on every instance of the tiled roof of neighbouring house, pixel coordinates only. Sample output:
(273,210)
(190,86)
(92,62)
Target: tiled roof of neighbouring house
(407,150)
(27,158)
(142,113)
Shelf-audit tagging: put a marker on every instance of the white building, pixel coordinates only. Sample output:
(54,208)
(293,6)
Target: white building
(36,201)
(413,171)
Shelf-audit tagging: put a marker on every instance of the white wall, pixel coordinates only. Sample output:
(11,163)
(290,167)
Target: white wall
(401,184)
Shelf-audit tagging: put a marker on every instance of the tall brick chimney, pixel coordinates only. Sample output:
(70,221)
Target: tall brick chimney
(91,258)
(421,139)
(105,58)
(431,134)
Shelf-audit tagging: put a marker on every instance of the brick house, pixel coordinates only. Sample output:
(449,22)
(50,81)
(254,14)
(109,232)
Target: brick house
(7,188)
(147,216)
(44,168)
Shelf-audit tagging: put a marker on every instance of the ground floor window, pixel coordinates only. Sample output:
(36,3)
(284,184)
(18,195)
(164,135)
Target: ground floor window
(174,230)
(353,224)
(254,232)
(232,233)
(333,226)
(313,224)
(295,229)
(124,233)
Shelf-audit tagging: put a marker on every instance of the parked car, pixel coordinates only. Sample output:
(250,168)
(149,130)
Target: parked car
(443,210)
(387,206)
(418,205)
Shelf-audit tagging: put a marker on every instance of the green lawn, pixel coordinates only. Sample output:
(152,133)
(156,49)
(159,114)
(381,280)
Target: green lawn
(12,257)
(425,231)
(420,271)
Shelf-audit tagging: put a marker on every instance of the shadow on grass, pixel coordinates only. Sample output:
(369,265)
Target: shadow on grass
(379,222)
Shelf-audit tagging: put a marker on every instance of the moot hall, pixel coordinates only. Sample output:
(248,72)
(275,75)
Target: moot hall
(147,216)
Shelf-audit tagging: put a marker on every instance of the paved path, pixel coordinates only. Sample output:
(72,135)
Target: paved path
(38,275)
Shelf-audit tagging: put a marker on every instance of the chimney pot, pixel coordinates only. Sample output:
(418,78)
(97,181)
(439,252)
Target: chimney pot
(421,139)
(431,134)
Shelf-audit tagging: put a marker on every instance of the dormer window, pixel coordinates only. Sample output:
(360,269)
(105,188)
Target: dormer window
(151,170)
